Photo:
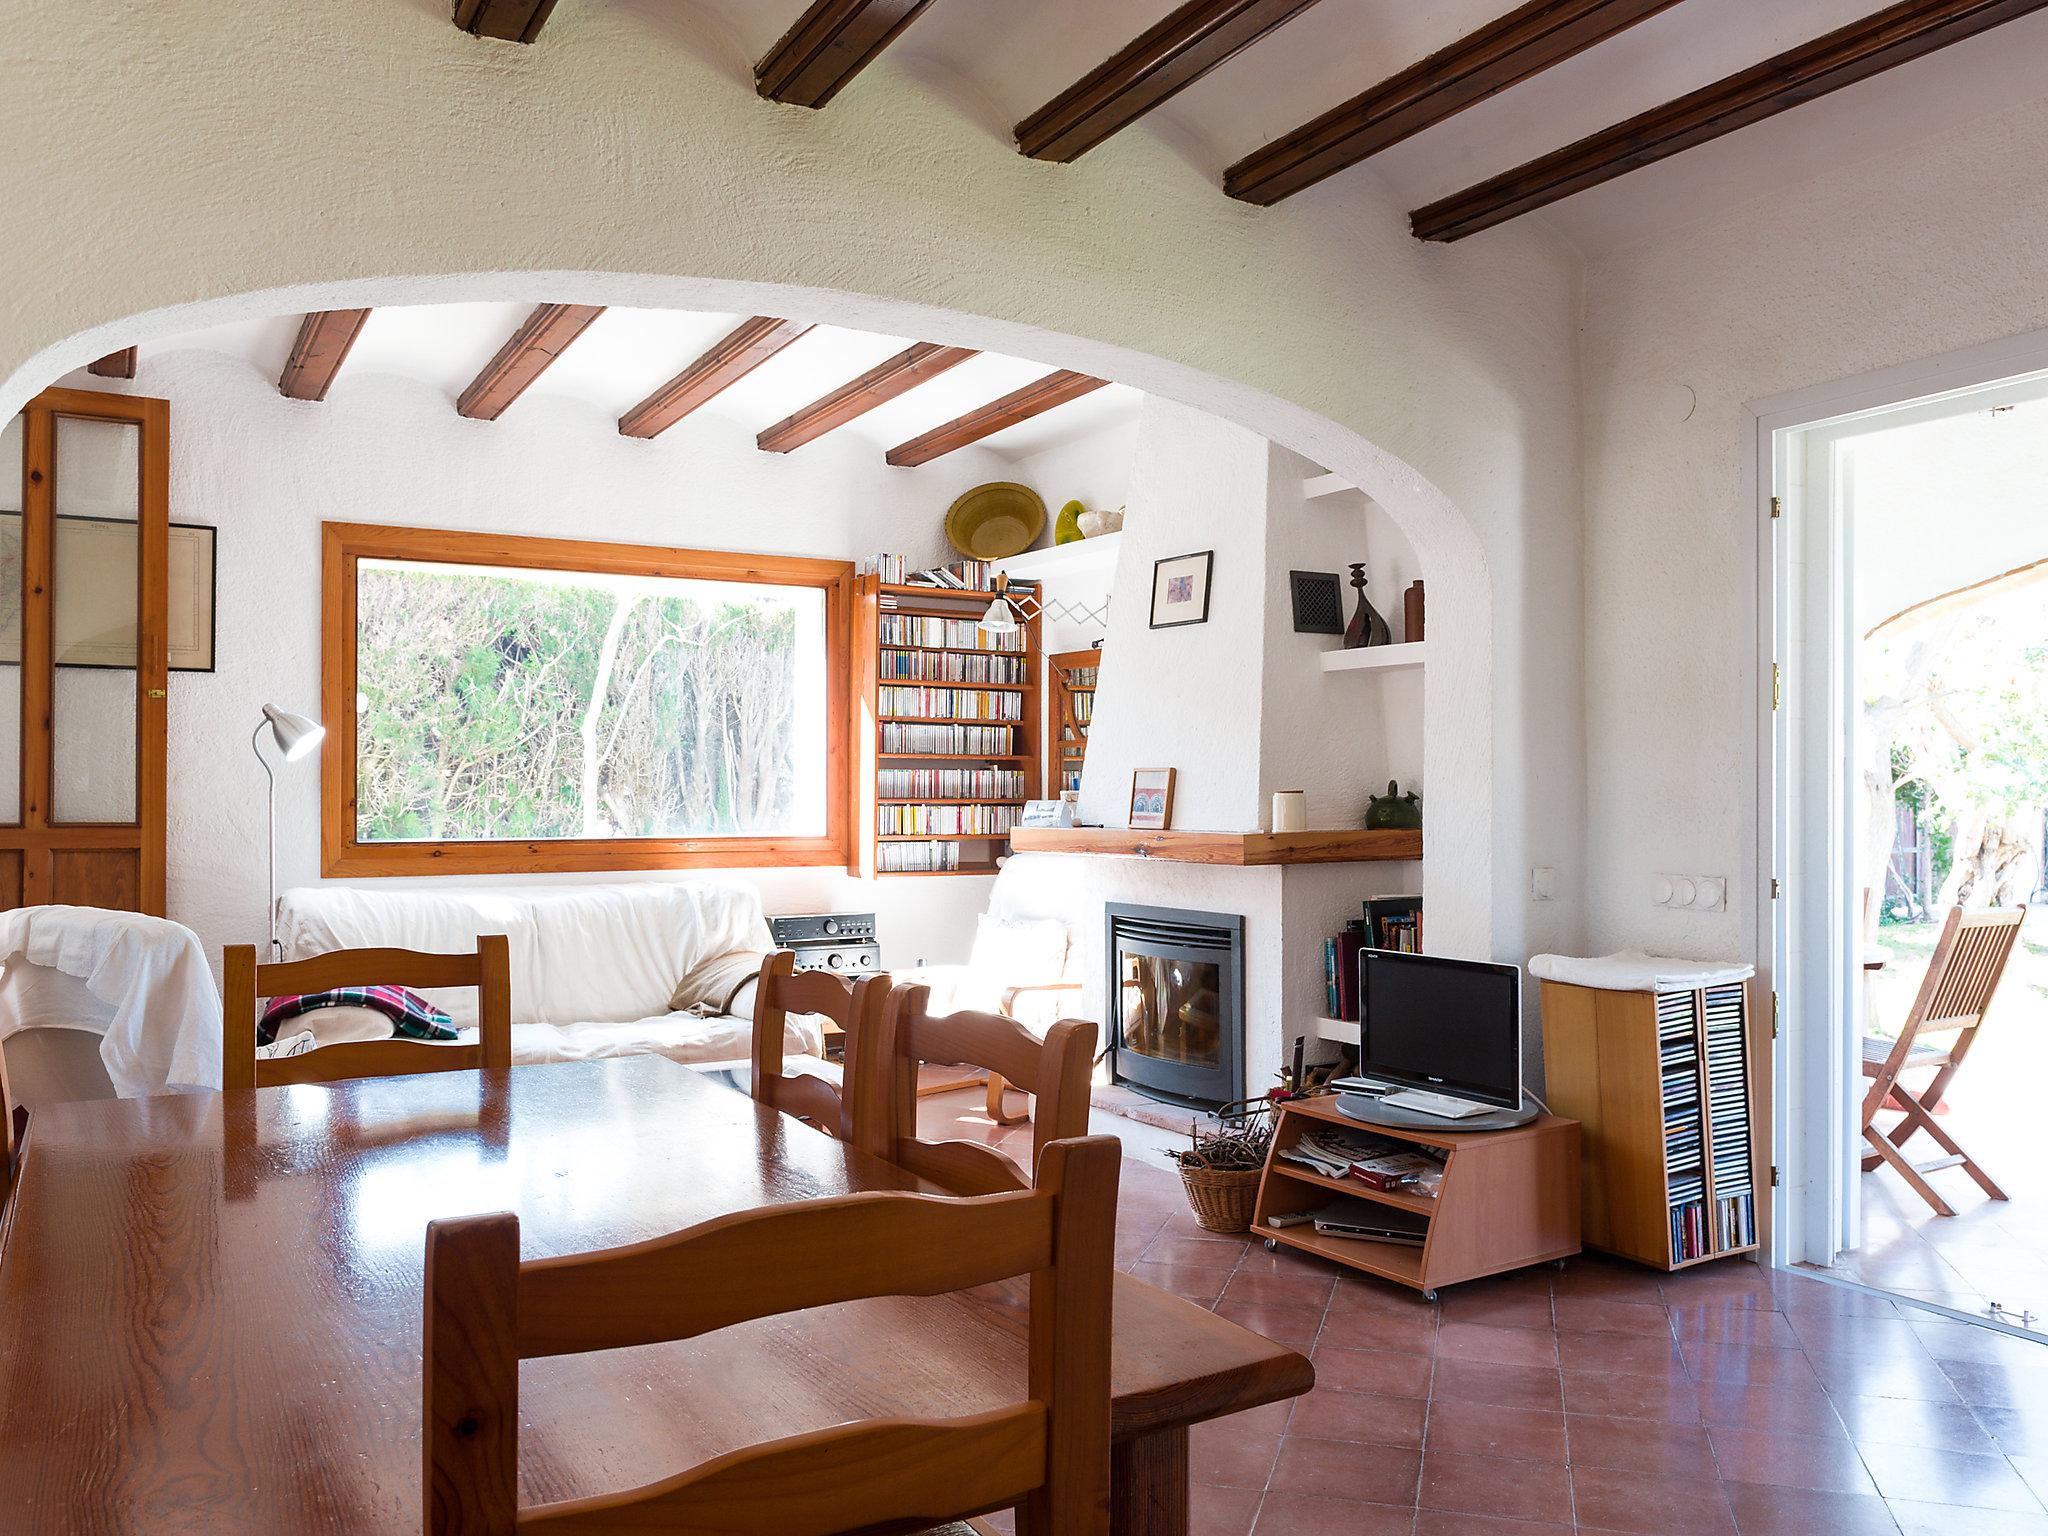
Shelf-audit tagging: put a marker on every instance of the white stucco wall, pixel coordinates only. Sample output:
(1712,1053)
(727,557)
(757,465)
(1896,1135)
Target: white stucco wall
(320,156)
(1911,255)
(268,471)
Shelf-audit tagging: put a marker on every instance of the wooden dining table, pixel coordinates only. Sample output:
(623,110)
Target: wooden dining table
(210,1305)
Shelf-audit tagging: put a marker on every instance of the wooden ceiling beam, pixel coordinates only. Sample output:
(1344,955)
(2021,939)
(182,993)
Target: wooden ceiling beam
(750,345)
(1165,59)
(115,365)
(880,384)
(1034,399)
(543,336)
(1525,42)
(832,41)
(325,337)
(1894,36)
(508,21)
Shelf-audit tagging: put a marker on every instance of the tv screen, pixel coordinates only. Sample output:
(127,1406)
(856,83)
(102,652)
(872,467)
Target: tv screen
(1450,1026)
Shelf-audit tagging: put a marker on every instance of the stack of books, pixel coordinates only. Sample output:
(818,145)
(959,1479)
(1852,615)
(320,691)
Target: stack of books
(944,820)
(948,740)
(949,784)
(961,575)
(932,630)
(1389,922)
(926,703)
(1378,1162)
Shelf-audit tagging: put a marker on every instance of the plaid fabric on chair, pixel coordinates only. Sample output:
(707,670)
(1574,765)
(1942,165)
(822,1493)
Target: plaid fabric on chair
(411,1015)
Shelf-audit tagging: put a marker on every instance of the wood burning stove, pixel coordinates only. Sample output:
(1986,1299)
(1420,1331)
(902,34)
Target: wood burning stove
(1175,1002)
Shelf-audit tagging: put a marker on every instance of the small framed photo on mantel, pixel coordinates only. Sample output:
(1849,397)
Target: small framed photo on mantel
(1151,799)
(1180,590)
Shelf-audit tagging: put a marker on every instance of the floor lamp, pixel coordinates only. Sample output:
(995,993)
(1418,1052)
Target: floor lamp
(295,736)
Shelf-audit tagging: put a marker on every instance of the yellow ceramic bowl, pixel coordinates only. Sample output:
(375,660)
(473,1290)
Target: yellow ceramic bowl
(995,521)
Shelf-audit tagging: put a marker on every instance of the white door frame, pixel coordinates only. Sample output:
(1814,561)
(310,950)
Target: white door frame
(1805,781)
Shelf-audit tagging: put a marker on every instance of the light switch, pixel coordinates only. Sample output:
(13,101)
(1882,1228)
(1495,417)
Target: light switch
(1543,883)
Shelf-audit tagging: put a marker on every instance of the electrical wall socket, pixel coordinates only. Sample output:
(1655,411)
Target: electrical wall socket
(1543,883)
(1690,893)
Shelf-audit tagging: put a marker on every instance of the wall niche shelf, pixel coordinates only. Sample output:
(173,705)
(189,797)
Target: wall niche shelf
(1342,846)
(1405,657)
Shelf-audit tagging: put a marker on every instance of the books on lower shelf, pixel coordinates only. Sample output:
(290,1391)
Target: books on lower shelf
(945,820)
(948,740)
(921,666)
(924,629)
(1378,1162)
(917,858)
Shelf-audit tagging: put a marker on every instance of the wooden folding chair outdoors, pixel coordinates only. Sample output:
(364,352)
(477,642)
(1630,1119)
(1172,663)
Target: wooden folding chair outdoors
(1047,1456)
(243,981)
(1054,1070)
(855,1006)
(1969,958)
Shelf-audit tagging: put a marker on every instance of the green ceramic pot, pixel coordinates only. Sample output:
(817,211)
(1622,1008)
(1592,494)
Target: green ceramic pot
(1393,811)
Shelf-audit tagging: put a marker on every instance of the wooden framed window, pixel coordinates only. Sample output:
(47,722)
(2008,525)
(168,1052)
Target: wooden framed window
(501,704)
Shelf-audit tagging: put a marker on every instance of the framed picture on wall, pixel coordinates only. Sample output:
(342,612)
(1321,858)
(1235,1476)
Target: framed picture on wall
(1180,590)
(1151,799)
(95,625)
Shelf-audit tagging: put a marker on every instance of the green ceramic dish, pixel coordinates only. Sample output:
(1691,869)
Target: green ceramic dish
(1066,528)
(995,521)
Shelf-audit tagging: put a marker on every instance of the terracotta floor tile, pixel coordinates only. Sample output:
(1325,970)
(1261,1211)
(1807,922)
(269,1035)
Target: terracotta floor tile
(1747,1407)
(1833,1333)
(1361,1417)
(1610,1500)
(1201,1286)
(1757,1367)
(1296,1514)
(1442,1522)
(1496,1486)
(1767,1511)
(1486,1429)
(1829,1465)
(1639,1445)
(1635,1354)
(1222,1511)
(1510,1386)
(1222,1456)
(1520,1308)
(1605,1394)
(1600,1314)
(1593,1275)
(1501,1346)
(1384,1372)
(1342,1469)
(1998,1384)
(2017,1431)
(1174,1248)
(1295,1327)
(1720,1323)
(1950,1477)
(1879,1421)
(1279,1290)
(1800,1292)
(1953,1520)
(1737,1282)
(1411,1333)
(1963,1341)
(1922,1379)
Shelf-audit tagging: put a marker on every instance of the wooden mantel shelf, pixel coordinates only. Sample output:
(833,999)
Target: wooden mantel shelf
(1234,848)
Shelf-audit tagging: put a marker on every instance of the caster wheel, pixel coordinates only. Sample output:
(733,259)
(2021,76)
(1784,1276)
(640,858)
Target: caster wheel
(1429,1295)
(1272,1245)
(1558,1265)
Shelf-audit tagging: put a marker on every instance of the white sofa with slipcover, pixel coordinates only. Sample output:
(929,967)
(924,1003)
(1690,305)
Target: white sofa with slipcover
(597,970)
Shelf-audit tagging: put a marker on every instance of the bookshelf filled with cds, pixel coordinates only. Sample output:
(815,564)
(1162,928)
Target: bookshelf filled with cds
(950,720)
(1072,676)
(1662,1083)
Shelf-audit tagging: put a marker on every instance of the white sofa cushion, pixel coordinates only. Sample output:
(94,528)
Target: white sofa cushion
(593,954)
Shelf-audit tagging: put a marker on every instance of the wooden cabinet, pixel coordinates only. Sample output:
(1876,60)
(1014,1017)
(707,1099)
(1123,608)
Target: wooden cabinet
(1508,1199)
(1661,1083)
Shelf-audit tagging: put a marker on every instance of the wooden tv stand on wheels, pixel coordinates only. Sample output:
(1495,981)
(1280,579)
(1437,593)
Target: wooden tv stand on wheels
(1508,1199)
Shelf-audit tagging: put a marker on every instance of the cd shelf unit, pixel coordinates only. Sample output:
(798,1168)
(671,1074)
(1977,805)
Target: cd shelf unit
(1661,1082)
(949,729)
(1071,675)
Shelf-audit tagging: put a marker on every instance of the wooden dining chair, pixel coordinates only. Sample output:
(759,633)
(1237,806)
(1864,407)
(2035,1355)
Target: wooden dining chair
(1963,974)
(243,982)
(1055,1070)
(1046,1456)
(855,1006)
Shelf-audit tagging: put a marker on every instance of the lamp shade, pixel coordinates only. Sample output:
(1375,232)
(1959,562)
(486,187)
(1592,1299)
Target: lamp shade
(295,734)
(1000,619)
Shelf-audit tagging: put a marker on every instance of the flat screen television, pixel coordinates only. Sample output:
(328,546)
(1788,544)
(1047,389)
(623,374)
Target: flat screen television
(1449,1026)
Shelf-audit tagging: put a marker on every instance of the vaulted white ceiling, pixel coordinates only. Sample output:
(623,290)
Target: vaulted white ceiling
(1000,60)
(627,353)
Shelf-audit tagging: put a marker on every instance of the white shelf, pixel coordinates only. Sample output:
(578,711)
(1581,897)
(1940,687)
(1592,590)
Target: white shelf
(1080,557)
(1377,658)
(1342,1031)
(1325,485)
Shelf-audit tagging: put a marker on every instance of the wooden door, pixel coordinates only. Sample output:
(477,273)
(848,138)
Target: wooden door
(84,635)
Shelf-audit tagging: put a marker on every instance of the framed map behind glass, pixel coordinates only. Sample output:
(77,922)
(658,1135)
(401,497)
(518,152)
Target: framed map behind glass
(97,628)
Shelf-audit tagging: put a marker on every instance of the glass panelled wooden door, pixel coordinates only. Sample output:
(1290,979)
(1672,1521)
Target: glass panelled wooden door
(84,610)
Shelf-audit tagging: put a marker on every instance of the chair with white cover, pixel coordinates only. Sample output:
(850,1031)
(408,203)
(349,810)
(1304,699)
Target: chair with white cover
(1962,976)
